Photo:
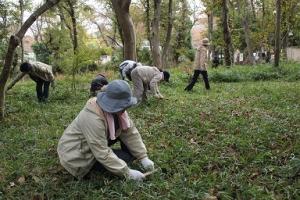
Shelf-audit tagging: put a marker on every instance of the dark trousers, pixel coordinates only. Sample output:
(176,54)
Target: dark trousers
(122,153)
(42,88)
(195,77)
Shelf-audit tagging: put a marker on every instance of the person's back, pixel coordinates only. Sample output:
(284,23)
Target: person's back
(147,72)
(126,67)
(41,70)
(42,74)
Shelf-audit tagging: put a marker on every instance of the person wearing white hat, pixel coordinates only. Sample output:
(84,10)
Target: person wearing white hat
(200,65)
(103,121)
(126,67)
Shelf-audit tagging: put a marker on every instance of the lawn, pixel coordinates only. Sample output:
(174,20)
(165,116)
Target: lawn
(240,140)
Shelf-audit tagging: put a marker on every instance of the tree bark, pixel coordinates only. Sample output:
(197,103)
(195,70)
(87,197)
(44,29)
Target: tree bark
(121,8)
(169,33)
(210,18)
(250,57)
(226,34)
(148,25)
(14,41)
(15,80)
(21,4)
(277,34)
(71,11)
(155,34)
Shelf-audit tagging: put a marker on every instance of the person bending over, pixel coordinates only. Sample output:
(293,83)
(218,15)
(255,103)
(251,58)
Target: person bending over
(126,67)
(42,74)
(147,77)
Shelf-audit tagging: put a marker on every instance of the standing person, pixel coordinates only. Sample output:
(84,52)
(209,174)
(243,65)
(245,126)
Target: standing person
(42,74)
(103,121)
(200,65)
(126,67)
(97,84)
(147,77)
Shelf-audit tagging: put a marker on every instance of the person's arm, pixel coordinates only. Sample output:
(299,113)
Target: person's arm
(95,134)
(154,85)
(133,141)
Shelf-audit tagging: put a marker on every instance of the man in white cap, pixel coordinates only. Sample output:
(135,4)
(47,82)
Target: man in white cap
(126,67)
(200,65)
(103,121)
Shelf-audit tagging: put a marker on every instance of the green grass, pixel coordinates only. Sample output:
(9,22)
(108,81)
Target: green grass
(240,140)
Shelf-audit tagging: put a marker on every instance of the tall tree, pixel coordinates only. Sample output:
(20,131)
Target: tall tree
(226,34)
(21,6)
(121,8)
(155,40)
(13,43)
(250,57)
(277,34)
(166,45)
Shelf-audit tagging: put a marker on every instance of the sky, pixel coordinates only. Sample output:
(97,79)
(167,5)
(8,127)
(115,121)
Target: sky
(197,6)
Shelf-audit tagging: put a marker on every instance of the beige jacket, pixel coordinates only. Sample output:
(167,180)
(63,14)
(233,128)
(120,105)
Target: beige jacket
(85,141)
(42,71)
(201,59)
(150,76)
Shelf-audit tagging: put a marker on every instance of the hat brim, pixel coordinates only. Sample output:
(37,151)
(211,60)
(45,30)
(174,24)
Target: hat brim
(114,105)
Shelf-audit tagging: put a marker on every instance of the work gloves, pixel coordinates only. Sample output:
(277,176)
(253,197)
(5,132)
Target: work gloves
(135,175)
(147,164)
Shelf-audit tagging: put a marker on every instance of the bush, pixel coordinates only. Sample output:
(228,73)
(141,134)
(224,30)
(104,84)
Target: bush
(144,56)
(88,66)
(289,72)
(257,76)
(225,77)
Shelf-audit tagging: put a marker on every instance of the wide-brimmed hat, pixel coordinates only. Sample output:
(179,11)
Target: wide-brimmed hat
(205,42)
(116,97)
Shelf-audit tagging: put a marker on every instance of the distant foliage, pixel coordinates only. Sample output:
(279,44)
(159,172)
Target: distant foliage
(42,52)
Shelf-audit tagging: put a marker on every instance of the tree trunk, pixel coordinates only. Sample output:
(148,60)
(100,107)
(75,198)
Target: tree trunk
(148,25)
(155,35)
(121,8)
(15,80)
(12,45)
(277,33)
(210,18)
(226,34)
(71,11)
(250,57)
(21,4)
(169,33)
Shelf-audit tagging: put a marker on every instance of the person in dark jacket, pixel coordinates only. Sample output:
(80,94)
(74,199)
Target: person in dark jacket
(97,84)
(42,74)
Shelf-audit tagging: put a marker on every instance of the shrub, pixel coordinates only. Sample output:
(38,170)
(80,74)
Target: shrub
(226,77)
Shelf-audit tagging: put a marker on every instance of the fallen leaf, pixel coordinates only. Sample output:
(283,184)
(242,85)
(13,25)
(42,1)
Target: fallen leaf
(210,197)
(21,180)
(12,184)
(36,179)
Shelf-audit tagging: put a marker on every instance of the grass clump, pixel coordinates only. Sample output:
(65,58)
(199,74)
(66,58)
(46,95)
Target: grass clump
(240,140)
